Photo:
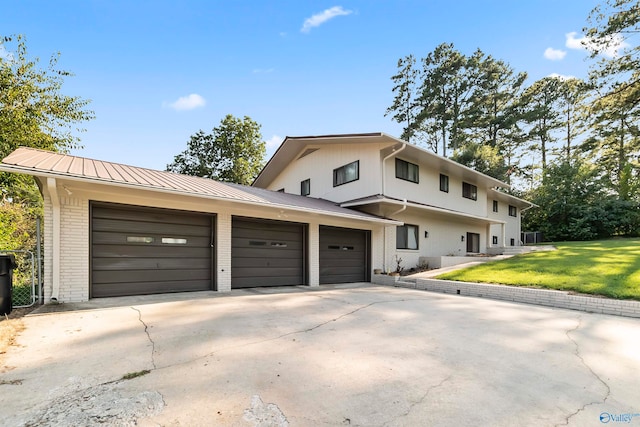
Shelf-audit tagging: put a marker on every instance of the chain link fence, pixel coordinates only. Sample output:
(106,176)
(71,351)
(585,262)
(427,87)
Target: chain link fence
(24,278)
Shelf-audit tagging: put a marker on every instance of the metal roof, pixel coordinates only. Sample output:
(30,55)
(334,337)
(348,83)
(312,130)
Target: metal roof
(49,164)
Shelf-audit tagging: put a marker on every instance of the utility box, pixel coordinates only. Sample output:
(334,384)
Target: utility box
(7,265)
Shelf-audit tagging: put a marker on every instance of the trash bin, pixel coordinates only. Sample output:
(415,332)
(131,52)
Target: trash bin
(7,264)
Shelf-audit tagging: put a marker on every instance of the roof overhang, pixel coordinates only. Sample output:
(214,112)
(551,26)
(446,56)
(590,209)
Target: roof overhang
(398,204)
(510,199)
(294,147)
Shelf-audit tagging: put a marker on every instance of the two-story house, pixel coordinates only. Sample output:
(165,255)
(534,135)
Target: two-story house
(341,207)
(446,208)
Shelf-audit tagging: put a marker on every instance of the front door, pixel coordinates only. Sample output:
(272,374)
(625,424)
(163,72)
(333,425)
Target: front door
(473,243)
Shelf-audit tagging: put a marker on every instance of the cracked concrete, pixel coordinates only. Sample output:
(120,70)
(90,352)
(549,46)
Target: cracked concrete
(355,355)
(146,331)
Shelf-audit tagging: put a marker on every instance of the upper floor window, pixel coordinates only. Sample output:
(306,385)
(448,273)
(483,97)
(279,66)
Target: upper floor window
(305,187)
(444,183)
(495,206)
(407,237)
(346,173)
(513,211)
(469,191)
(407,171)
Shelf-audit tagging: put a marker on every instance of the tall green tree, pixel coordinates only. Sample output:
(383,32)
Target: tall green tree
(233,152)
(34,112)
(613,25)
(405,107)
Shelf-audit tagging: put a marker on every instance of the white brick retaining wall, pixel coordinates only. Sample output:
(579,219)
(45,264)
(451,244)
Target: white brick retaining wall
(550,298)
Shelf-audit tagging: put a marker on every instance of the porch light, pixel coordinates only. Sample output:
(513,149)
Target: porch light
(426,234)
(462,238)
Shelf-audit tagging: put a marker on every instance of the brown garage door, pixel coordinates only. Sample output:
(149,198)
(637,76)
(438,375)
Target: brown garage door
(344,255)
(266,253)
(137,251)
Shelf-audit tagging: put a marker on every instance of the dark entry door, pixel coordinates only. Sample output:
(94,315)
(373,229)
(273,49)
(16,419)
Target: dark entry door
(136,251)
(344,255)
(266,253)
(473,242)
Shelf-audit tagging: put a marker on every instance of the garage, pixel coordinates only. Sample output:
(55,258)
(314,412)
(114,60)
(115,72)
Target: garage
(344,255)
(267,253)
(136,251)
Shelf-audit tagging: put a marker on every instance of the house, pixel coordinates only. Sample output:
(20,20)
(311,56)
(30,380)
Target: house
(326,209)
(446,208)
(113,230)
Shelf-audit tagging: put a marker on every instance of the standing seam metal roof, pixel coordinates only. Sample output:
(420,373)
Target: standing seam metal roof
(45,163)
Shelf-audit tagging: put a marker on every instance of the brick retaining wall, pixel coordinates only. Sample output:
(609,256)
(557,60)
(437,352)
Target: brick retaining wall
(550,298)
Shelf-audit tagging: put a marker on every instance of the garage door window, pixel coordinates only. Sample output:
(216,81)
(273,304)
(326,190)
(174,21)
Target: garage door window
(407,237)
(139,239)
(173,241)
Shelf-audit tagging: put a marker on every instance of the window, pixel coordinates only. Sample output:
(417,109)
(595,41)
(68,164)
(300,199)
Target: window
(494,239)
(444,183)
(513,211)
(346,173)
(495,206)
(469,191)
(407,171)
(305,187)
(407,237)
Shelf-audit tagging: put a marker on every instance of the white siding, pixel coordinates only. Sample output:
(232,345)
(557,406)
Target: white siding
(319,165)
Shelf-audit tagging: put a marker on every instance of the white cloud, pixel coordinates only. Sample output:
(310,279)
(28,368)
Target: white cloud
(188,102)
(263,70)
(273,143)
(561,76)
(322,17)
(614,46)
(554,54)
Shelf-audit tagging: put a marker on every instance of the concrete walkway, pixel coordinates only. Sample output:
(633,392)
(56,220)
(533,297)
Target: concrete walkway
(338,355)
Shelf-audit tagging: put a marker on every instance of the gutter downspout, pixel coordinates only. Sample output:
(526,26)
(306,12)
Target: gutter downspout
(384,181)
(55,252)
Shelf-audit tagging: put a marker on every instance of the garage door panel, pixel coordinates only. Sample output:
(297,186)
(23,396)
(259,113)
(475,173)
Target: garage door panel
(344,255)
(134,276)
(137,228)
(146,288)
(115,251)
(106,238)
(114,264)
(137,251)
(266,253)
(150,216)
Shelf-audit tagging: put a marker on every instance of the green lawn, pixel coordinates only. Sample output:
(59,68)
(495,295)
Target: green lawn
(605,267)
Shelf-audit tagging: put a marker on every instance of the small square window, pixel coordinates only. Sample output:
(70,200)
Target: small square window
(305,187)
(495,206)
(407,171)
(346,173)
(444,183)
(407,237)
(513,211)
(469,191)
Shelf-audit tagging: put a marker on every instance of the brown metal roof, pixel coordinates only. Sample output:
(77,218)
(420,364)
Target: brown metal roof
(49,164)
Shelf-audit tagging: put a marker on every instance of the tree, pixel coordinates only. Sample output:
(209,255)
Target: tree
(233,152)
(34,113)
(404,104)
(613,25)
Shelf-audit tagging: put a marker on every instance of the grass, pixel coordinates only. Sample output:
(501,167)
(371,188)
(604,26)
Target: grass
(609,268)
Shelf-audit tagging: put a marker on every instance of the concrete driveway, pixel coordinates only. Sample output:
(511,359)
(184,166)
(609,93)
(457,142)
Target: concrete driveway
(338,355)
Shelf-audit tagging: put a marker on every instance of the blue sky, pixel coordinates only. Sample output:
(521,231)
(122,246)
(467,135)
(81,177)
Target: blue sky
(159,71)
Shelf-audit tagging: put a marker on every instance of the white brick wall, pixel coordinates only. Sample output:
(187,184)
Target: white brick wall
(223,251)
(544,297)
(74,249)
(313,246)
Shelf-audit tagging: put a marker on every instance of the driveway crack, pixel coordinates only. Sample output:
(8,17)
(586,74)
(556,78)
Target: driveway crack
(422,399)
(586,365)
(146,331)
